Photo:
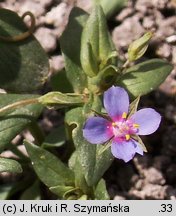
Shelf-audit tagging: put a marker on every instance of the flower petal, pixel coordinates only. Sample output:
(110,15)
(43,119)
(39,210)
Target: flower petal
(138,147)
(116,101)
(96,130)
(125,150)
(148,120)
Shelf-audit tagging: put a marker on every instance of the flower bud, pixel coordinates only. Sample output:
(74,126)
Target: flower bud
(139,46)
(60,100)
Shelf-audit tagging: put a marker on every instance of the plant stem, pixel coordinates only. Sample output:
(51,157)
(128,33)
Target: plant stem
(125,65)
(18,104)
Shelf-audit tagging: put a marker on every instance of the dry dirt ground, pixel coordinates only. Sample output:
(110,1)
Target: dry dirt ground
(154,175)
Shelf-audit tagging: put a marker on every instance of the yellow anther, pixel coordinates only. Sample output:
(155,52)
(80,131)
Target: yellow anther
(136,125)
(114,124)
(127,136)
(124,115)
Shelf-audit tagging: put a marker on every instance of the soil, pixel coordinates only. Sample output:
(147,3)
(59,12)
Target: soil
(152,176)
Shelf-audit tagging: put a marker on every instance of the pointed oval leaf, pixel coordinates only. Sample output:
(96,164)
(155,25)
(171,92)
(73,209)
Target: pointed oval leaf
(14,122)
(10,165)
(75,165)
(48,167)
(111,7)
(96,44)
(24,65)
(70,42)
(145,77)
(93,165)
(100,191)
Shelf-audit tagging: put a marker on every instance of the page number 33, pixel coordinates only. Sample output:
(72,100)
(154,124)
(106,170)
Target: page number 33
(166,208)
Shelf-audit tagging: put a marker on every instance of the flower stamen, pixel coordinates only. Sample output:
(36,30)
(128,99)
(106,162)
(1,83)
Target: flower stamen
(114,124)
(124,115)
(127,136)
(136,125)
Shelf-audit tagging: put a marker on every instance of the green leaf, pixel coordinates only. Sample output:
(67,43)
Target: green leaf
(5,191)
(32,193)
(70,45)
(59,100)
(133,106)
(80,181)
(60,82)
(100,191)
(9,165)
(56,138)
(89,60)
(96,45)
(62,191)
(111,7)
(83,197)
(51,171)
(24,65)
(15,121)
(93,165)
(139,140)
(74,161)
(145,77)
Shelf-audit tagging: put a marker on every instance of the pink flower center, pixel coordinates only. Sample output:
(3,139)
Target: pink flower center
(123,128)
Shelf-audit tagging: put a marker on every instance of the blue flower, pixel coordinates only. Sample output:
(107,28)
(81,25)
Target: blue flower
(120,129)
